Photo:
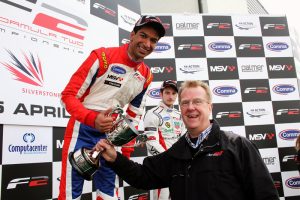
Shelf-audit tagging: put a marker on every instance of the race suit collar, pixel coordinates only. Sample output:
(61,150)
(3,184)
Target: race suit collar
(162,104)
(128,58)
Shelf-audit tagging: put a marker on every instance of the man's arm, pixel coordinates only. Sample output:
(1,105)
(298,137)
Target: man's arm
(137,175)
(151,127)
(257,179)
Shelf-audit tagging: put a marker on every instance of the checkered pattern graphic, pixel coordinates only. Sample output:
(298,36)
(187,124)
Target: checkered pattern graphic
(246,60)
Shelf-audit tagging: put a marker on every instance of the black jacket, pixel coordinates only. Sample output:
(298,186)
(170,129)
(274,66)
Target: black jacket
(226,167)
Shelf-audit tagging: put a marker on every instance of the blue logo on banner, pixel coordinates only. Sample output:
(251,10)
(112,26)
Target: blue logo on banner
(162,46)
(277,46)
(289,134)
(219,46)
(225,90)
(154,93)
(293,182)
(118,70)
(283,89)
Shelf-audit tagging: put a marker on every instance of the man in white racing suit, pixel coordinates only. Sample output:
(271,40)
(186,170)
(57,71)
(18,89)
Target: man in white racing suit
(163,126)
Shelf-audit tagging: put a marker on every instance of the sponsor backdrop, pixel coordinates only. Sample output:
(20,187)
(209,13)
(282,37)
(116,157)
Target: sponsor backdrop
(246,60)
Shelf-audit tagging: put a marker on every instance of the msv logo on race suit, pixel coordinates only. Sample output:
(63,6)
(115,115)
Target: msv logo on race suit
(154,93)
(225,91)
(219,46)
(293,182)
(162,46)
(283,89)
(289,134)
(118,70)
(277,46)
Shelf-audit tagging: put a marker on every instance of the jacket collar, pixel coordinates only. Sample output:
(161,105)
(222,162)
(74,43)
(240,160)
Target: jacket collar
(181,149)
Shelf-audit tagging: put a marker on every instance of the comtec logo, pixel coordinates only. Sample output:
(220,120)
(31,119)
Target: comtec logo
(154,93)
(225,91)
(162,46)
(118,70)
(289,134)
(283,89)
(277,46)
(219,46)
(293,182)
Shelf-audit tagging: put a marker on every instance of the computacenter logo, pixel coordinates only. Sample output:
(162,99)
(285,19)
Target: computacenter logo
(29,147)
(29,71)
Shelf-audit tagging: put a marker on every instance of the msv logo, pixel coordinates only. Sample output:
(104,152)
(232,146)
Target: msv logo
(219,46)
(293,182)
(225,91)
(118,70)
(29,71)
(154,93)
(162,46)
(277,46)
(283,89)
(289,134)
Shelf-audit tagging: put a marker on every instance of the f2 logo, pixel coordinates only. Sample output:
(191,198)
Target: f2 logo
(30,181)
(231,114)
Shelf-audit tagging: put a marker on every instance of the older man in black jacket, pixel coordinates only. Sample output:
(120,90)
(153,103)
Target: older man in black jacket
(205,164)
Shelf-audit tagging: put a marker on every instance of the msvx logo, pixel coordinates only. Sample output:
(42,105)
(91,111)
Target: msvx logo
(280,67)
(261,136)
(222,68)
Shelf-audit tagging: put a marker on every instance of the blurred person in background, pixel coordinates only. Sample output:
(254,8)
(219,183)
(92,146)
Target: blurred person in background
(163,126)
